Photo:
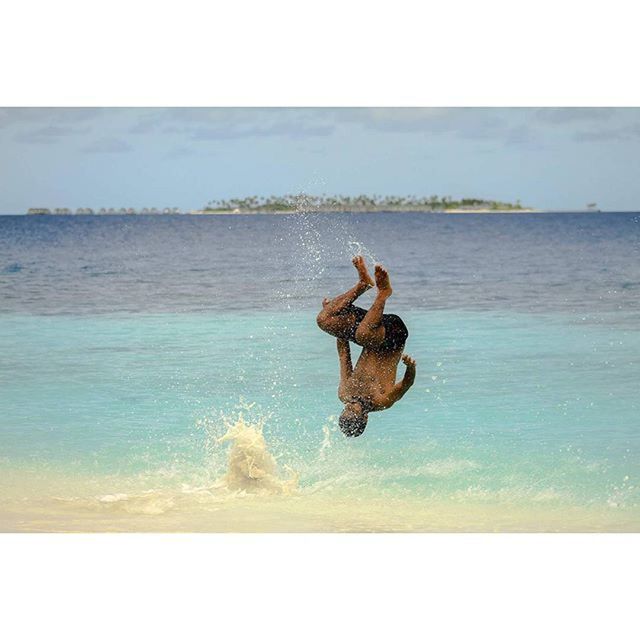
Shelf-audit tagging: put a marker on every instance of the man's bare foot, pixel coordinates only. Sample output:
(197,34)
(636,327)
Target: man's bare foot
(382,281)
(365,279)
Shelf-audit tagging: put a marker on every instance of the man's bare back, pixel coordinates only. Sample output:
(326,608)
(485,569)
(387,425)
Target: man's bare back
(371,384)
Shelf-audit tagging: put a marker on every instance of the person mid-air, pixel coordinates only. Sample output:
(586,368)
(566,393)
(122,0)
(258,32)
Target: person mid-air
(371,385)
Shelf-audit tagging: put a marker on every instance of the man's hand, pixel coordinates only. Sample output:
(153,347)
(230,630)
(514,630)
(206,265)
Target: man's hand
(409,361)
(410,373)
(400,388)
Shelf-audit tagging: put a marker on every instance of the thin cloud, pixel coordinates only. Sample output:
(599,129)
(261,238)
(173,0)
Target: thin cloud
(48,134)
(180,152)
(108,145)
(229,123)
(476,123)
(520,135)
(568,115)
(609,134)
(45,116)
(202,124)
(291,130)
(183,127)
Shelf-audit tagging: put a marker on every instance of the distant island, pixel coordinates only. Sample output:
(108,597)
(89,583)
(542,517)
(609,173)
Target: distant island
(87,211)
(361,203)
(303,203)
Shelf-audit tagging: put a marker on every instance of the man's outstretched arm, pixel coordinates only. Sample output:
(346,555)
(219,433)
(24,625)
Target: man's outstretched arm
(344,354)
(407,381)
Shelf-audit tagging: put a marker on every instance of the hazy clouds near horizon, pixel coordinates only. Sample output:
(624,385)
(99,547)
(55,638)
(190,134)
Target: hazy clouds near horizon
(144,157)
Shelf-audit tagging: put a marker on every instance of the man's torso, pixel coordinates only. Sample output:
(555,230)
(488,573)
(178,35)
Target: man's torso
(373,378)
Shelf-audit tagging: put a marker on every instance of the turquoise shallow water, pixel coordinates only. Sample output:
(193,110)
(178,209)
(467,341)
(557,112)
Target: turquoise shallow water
(126,344)
(506,407)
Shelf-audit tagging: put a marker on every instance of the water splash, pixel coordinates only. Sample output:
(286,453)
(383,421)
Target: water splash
(251,466)
(316,241)
(358,248)
(248,468)
(326,443)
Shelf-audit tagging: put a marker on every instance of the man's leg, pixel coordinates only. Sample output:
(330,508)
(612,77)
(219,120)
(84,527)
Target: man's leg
(333,318)
(370,332)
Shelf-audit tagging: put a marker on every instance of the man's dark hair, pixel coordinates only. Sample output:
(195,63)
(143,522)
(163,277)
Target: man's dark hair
(352,424)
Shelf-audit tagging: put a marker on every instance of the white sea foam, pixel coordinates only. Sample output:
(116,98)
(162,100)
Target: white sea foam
(149,503)
(250,468)
(446,467)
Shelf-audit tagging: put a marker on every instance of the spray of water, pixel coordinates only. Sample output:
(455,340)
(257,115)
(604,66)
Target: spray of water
(315,241)
(251,466)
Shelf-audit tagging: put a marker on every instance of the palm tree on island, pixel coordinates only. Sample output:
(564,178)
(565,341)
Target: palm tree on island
(360,203)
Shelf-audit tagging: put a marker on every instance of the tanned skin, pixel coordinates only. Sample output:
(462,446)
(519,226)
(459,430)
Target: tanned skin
(370,385)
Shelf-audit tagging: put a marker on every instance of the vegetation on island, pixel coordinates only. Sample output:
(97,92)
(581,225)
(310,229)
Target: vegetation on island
(303,202)
(88,211)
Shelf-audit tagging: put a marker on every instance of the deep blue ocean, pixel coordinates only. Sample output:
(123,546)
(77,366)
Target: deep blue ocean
(123,340)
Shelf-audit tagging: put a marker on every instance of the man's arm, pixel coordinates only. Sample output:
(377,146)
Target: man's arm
(344,354)
(406,383)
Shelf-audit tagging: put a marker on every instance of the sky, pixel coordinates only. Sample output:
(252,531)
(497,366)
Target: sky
(549,158)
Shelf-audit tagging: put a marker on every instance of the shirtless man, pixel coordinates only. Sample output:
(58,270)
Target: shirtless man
(371,385)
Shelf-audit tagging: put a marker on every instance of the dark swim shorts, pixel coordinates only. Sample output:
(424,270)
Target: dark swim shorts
(395,330)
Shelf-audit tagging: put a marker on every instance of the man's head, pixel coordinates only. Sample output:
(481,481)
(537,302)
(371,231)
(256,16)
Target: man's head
(353,419)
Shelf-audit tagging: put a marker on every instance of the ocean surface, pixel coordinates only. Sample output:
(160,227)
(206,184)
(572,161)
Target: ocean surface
(166,373)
